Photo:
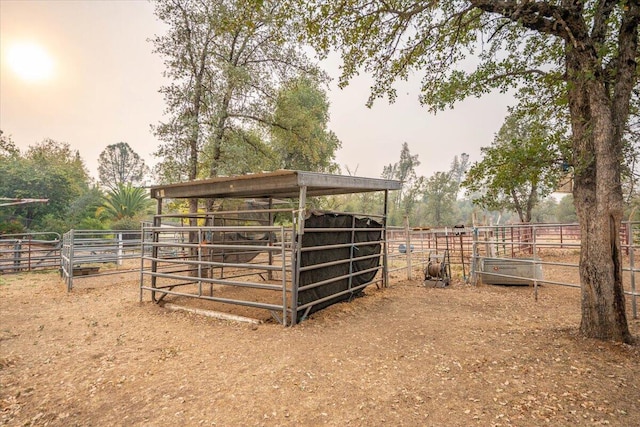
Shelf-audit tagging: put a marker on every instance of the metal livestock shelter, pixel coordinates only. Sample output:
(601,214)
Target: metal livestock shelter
(272,252)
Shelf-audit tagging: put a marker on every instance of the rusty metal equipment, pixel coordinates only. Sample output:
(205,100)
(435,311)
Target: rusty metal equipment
(437,273)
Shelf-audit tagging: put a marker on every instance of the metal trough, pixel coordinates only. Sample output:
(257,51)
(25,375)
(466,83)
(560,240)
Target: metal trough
(510,271)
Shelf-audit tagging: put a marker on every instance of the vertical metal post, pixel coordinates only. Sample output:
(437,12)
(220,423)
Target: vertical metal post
(29,253)
(535,264)
(141,258)
(271,218)
(385,254)
(157,222)
(464,273)
(200,249)
(634,297)
(70,269)
(17,253)
(474,256)
(299,229)
(284,276)
(408,246)
(513,255)
(351,250)
(119,251)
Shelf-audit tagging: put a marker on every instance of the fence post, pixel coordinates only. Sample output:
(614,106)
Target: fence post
(474,256)
(120,252)
(17,254)
(634,303)
(71,261)
(535,262)
(408,247)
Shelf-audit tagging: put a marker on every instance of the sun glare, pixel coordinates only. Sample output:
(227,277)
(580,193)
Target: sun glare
(30,62)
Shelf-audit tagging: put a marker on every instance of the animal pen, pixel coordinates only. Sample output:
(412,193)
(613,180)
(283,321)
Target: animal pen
(241,258)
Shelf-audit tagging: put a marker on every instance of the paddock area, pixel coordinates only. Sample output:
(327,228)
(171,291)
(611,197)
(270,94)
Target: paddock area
(403,355)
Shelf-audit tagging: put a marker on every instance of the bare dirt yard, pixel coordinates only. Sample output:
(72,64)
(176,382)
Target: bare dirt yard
(406,355)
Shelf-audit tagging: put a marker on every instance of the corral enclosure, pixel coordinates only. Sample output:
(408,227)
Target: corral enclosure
(242,258)
(402,355)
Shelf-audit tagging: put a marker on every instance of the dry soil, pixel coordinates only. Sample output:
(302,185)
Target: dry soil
(402,356)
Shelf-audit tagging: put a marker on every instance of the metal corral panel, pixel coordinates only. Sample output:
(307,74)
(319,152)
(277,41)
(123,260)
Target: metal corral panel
(520,271)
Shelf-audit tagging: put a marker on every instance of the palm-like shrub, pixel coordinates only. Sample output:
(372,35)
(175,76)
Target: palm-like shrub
(125,201)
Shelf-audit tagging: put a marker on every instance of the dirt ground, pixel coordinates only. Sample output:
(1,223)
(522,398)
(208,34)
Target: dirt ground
(406,355)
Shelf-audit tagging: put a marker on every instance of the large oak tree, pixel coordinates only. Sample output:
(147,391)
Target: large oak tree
(584,53)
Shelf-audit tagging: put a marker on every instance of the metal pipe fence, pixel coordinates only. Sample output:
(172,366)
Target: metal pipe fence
(85,252)
(187,263)
(259,266)
(424,243)
(549,252)
(178,255)
(539,247)
(29,252)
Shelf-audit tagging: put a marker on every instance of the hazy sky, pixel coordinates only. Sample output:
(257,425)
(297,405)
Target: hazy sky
(104,80)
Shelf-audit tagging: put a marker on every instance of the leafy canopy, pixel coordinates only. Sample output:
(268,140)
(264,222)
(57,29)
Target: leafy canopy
(520,168)
(301,139)
(226,61)
(48,170)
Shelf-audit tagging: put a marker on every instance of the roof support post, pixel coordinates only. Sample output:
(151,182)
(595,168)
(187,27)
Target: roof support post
(385,255)
(299,227)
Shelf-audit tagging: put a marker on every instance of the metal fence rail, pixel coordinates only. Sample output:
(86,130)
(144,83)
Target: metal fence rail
(541,247)
(423,243)
(553,248)
(85,252)
(258,266)
(186,262)
(29,252)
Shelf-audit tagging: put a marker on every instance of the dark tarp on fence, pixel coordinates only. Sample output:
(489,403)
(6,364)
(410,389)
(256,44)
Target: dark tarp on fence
(372,232)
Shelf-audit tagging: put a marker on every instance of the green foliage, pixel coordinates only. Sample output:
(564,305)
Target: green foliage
(514,44)
(49,170)
(126,223)
(89,223)
(226,61)
(246,150)
(11,226)
(299,137)
(519,169)
(566,211)
(125,201)
(52,223)
(8,148)
(545,211)
(84,208)
(440,195)
(119,164)
(404,170)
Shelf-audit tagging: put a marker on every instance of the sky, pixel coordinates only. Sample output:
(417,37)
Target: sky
(97,83)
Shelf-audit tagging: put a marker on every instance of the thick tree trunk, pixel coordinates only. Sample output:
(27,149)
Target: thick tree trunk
(598,201)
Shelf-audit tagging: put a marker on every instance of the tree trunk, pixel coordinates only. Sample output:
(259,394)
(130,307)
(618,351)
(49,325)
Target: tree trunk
(598,201)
